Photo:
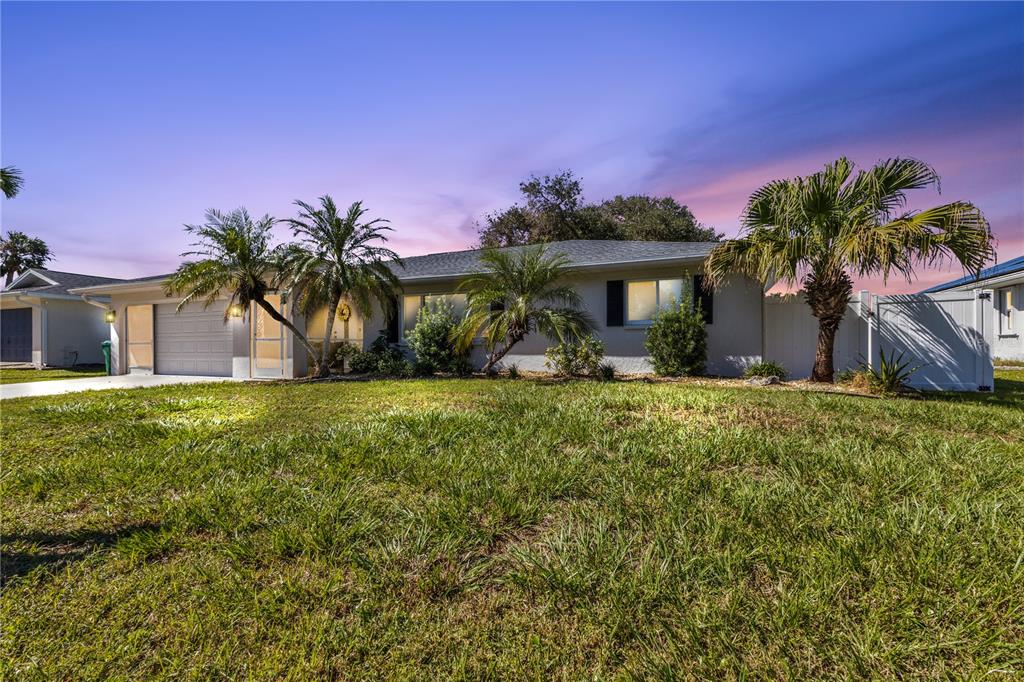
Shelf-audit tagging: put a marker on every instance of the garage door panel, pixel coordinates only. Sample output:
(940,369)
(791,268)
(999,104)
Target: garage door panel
(195,341)
(16,335)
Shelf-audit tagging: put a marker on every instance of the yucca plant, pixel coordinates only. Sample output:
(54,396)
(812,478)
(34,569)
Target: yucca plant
(816,231)
(892,373)
(518,293)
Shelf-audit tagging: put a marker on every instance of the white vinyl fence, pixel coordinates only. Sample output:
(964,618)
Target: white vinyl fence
(948,334)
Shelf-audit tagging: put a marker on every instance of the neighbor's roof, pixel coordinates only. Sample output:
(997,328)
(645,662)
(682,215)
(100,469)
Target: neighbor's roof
(581,253)
(43,282)
(1008,268)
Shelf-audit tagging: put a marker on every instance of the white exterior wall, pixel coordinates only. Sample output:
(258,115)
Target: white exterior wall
(734,337)
(1008,344)
(61,327)
(791,334)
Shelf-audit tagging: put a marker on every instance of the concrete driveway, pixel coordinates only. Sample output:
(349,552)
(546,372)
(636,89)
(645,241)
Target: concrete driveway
(59,386)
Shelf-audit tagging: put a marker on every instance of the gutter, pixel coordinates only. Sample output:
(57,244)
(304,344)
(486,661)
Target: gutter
(102,306)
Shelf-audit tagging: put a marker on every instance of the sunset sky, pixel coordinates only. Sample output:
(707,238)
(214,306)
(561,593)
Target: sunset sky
(130,119)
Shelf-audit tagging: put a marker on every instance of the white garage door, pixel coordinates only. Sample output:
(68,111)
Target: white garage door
(195,341)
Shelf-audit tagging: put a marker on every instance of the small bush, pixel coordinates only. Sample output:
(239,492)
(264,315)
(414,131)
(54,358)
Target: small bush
(343,355)
(575,358)
(429,339)
(606,372)
(382,357)
(513,371)
(678,341)
(847,376)
(767,368)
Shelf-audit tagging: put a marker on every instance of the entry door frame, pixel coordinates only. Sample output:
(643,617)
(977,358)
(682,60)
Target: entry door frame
(256,316)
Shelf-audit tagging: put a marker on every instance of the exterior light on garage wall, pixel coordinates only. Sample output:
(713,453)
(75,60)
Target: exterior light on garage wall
(235,310)
(110,316)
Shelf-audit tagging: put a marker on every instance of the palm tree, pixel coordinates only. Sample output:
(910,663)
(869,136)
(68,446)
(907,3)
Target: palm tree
(10,181)
(816,231)
(19,252)
(234,254)
(519,292)
(339,257)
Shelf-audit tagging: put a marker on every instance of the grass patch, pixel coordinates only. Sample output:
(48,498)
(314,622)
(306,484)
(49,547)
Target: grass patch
(512,529)
(21,375)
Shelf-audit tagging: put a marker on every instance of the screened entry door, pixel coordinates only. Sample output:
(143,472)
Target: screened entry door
(267,341)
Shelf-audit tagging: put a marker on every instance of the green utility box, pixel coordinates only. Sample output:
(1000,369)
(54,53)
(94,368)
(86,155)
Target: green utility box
(106,355)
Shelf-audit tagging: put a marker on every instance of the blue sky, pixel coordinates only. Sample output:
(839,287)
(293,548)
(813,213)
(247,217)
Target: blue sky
(130,119)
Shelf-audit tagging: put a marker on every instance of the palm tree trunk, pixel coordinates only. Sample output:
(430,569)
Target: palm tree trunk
(497,354)
(9,278)
(828,294)
(274,314)
(325,350)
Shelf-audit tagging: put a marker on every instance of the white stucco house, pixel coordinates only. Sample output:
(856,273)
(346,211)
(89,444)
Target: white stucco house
(1006,281)
(622,283)
(42,323)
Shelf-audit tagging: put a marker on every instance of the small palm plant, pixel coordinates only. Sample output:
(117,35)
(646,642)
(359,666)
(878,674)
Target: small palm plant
(892,373)
(337,257)
(10,181)
(818,230)
(518,293)
(233,254)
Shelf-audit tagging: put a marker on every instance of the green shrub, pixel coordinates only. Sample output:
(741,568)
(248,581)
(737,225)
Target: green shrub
(766,368)
(429,339)
(382,357)
(513,371)
(847,376)
(678,341)
(578,357)
(606,372)
(343,355)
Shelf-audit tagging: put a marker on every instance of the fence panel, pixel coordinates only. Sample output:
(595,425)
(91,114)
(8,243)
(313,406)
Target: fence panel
(791,334)
(949,334)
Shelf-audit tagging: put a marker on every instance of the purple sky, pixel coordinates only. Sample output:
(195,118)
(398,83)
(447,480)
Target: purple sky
(130,119)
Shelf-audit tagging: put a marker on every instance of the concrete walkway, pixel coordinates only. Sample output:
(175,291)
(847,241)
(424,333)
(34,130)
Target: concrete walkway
(59,386)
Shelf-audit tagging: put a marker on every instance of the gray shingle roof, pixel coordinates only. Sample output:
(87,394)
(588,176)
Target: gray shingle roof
(580,252)
(65,281)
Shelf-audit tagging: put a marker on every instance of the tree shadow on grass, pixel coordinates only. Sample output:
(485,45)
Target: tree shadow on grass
(53,551)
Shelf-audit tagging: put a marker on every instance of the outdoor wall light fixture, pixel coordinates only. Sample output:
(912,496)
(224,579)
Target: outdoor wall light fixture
(110,316)
(235,310)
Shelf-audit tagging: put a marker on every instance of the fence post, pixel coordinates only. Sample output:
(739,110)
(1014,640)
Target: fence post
(984,314)
(873,338)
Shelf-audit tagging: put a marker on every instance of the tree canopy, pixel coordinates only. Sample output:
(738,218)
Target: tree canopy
(553,209)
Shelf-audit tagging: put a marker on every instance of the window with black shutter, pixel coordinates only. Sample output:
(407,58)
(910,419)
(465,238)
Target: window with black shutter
(392,316)
(616,304)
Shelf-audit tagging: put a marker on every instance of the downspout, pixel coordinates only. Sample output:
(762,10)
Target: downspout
(44,341)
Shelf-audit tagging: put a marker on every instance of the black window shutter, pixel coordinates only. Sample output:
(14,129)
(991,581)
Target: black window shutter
(616,303)
(392,318)
(705,296)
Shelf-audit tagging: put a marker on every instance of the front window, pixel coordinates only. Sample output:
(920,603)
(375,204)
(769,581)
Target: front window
(411,307)
(644,298)
(1006,311)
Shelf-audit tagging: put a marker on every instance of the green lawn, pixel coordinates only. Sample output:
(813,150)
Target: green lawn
(510,529)
(21,376)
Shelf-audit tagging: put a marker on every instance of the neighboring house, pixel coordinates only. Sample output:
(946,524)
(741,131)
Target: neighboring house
(42,323)
(1006,280)
(622,284)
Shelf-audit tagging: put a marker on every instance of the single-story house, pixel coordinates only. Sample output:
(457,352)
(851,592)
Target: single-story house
(623,283)
(1006,280)
(43,323)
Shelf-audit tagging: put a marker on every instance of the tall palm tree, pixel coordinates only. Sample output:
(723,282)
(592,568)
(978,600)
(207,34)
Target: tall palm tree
(816,231)
(19,252)
(339,256)
(10,181)
(234,254)
(518,293)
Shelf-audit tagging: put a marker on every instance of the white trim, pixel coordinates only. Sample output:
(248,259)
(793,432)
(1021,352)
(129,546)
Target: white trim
(26,273)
